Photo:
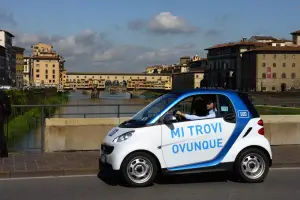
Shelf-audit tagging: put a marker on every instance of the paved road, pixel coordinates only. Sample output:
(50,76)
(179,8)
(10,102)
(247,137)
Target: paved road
(281,184)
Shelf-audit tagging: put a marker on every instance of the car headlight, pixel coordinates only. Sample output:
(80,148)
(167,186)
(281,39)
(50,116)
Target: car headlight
(123,137)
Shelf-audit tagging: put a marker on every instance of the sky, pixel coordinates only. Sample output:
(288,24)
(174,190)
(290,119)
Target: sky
(128,35)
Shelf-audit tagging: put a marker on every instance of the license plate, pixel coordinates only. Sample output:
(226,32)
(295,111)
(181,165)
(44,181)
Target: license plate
(103,158)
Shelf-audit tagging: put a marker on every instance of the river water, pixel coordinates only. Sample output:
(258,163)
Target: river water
(83,106)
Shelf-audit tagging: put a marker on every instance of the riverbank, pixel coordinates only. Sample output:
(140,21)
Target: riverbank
(31,117)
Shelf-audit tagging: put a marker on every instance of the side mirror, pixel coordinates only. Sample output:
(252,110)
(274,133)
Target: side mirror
(169,119)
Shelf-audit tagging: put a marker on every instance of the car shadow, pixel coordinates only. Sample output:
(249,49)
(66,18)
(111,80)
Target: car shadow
(204,177)
(113,179)
(109,178)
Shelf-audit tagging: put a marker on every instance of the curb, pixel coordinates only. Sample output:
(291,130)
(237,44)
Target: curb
(51,172)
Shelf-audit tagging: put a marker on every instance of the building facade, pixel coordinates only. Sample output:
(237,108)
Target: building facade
(19,66)
(271,69)
(27,72)
(236,65)
(187,80)
(46,65)
(225,63)
(8,72)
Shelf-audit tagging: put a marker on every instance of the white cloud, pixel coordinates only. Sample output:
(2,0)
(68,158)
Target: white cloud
(92,51)
(164,23)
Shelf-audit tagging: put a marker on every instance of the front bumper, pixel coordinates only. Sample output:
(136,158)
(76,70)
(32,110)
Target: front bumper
(106,171)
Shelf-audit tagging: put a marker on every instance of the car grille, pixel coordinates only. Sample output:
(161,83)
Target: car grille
(106,149)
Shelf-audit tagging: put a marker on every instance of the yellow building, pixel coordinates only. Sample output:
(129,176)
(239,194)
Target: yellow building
(19,66)
(46,65)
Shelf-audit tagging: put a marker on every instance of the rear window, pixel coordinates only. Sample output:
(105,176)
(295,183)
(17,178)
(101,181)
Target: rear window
(249,104)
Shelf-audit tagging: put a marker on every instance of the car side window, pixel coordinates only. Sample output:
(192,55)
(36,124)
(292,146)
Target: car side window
(226,109)
(183,106)
(196,107)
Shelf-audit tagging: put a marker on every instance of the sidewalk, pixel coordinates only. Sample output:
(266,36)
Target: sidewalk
(76,163)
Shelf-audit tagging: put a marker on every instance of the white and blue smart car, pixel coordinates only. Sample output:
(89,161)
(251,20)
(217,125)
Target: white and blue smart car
(199,129)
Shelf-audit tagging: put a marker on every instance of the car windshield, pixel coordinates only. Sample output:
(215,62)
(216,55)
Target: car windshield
(151,110)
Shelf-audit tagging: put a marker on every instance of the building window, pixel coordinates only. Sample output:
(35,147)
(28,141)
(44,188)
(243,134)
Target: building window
(264,56)
(37,65)
(274,64)
(37,76)
(37,70)
(283,75)
(294,65)
(264,64)
(274,56)
(274,75)
(53,76)
(264,75)
(46,76)
(293,75)
(46,65)
(283,64)
(53,71)
(53,65)
(273,88)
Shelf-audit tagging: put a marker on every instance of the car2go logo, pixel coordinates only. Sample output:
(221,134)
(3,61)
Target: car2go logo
(243,113)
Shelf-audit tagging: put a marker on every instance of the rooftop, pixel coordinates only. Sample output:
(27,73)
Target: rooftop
(9,33)
(232,44)
(271,48)
(45,57)
(258,37)
(19,49)
(296,32)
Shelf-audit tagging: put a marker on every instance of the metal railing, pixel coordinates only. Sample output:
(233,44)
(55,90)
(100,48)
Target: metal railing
(25,129)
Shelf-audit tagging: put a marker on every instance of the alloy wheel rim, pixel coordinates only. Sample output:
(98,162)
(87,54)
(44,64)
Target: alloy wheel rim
(139,170)
(253,166)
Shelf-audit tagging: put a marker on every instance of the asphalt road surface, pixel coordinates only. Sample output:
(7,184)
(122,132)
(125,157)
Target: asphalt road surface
(280,184)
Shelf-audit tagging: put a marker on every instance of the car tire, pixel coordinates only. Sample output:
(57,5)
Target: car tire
(139,169)
(251,166)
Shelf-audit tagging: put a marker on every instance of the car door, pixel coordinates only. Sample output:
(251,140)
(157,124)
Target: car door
(196,143)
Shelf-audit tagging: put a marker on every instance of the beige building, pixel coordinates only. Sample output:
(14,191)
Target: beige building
(46,65)
(80,80)
(271,69)
(235,65)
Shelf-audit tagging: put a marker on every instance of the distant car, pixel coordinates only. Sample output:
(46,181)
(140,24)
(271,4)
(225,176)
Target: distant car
(157,141)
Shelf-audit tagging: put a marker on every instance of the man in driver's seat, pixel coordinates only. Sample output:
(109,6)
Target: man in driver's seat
(210,105)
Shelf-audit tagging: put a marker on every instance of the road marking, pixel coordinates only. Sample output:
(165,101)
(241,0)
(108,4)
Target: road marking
(285,168)
(47,177)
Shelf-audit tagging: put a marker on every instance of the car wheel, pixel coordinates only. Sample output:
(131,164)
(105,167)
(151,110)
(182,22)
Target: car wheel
(139,169)
(251,166)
